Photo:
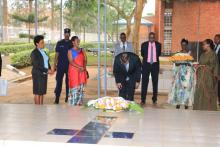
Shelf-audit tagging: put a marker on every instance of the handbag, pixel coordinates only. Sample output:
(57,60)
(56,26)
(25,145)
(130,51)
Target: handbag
(87,74)
(3,87)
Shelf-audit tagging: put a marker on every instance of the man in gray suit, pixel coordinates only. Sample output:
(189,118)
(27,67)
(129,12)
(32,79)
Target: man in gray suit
(123,45)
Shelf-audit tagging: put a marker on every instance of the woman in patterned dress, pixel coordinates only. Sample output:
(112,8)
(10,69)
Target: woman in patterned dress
(182,91)
(77,72)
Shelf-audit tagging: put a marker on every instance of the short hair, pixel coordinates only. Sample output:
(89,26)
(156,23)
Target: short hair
(217,35)
(122,34)
(184,41)
(210,43)
(37,39)
(74,38)
(152,33)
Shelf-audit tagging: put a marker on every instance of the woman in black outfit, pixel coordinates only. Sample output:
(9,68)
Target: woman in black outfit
(41,68)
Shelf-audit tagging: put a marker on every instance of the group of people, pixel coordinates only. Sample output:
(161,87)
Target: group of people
(70,60)
(194,84)
(128,68)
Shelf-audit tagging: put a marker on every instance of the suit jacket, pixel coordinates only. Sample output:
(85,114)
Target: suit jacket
(119,50)
(0,64)
(218,54)
(144,50)
(38,63)
(134,72)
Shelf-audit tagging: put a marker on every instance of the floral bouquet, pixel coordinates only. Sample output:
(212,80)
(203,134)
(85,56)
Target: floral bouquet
(181,58)
(115,104)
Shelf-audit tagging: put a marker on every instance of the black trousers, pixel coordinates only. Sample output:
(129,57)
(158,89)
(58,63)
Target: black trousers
(59,81)
(127,90)
(148,69)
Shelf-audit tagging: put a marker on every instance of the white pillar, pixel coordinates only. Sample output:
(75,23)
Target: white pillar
(99,52)
(105,48)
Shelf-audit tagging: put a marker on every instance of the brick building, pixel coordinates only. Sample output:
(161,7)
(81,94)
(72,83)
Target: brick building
(179,19)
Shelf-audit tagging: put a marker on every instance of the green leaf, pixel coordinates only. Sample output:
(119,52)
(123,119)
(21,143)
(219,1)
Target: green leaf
(135,107)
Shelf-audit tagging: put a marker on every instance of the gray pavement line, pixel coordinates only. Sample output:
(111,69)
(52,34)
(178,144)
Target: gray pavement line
(10,67)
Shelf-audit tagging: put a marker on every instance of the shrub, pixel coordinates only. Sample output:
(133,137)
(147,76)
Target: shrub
(23,58)
(6,49)
(12,43)
(23,35)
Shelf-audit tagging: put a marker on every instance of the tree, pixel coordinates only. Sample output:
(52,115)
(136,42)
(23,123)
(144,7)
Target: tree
(137,22)
(126,13)
(52,18)
(5,19)
(28,19)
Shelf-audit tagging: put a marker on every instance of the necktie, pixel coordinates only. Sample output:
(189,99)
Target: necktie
(123,47)
(151,58)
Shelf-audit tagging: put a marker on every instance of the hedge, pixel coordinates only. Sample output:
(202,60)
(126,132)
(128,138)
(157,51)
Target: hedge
(23,58)
(23,35)
(6,49)
(12,43)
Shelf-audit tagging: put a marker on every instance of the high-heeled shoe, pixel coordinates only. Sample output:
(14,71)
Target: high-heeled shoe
(177,106)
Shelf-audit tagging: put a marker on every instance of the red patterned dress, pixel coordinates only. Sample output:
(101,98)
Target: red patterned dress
(77,78)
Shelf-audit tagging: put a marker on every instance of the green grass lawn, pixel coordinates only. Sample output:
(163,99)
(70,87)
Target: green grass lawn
(93,60)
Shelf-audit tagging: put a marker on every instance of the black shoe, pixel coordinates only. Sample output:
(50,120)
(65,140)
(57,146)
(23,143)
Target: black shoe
(154,100)
(56,100)
(143,104)
(186,107)
(177,106)
(66,100)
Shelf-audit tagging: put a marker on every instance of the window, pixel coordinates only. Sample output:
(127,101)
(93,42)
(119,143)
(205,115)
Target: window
(167,31)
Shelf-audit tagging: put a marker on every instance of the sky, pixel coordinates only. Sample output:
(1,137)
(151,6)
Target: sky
(149,7)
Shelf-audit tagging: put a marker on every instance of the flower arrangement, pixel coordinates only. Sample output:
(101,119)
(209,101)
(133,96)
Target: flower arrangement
(115,104)
(181,57)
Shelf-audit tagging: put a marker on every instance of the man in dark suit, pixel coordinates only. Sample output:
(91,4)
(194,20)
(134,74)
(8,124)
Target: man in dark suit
(217,51)
(0,64)
(127,72)
(150,51)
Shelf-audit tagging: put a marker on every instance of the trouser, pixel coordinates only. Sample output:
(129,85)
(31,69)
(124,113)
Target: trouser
(59,82)
(148,69)
(127,90)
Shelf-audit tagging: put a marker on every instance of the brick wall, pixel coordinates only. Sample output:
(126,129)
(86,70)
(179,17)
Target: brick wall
(185,21)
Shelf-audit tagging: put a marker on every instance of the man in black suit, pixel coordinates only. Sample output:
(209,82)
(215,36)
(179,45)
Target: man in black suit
(0,64)
(127,72)
(217,51)
(150,51)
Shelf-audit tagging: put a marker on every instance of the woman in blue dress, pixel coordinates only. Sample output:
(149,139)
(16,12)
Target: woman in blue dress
(182,91)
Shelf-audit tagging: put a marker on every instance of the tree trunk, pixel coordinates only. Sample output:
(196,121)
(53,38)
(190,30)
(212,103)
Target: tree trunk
(128,32)
(84,34)
(5,20)
(52,19)
(29,24)
(137,23)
